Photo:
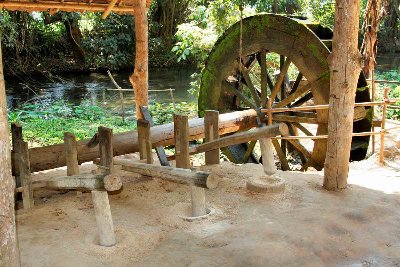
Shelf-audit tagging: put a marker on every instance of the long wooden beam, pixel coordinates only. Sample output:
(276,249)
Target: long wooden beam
(49,157)
(177,175)
(109,9)
(66,6)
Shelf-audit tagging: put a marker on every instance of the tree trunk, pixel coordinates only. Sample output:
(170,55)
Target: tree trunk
(345,68)
(140,78)
(9,255)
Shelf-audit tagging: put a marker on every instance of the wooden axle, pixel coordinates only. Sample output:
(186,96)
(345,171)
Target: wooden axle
(177,175)
(50,157)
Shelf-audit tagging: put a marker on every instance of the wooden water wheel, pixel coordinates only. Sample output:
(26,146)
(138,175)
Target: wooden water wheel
(288,58)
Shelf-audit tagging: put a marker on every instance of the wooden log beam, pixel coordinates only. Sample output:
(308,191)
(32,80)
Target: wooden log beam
(109,9)
(66,6)
(49,157)
(242,137)
(176,175)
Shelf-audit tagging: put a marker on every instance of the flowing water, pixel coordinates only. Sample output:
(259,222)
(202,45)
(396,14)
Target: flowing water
(98,88)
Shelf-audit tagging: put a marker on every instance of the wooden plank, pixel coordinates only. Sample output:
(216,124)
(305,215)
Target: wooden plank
(264,74)
(16,138)
(250,85)
(287,118)
(280,79)
(25,176)
(239,94)
(71,154)
(211,134)
(162,156)
(302,90)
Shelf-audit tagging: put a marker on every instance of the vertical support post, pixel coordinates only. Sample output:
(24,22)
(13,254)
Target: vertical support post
(71,155)
(104,220)
(181,135)
(373,86)
(100,199)
(267,156)
(8,236)
(144,140)
(383,131)
(25,175)
(121,96)
(16,138)
(211,131)
(105,136)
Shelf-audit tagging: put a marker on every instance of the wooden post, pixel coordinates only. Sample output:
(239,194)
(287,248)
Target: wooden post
(25,175)
(71,155)
(383,131)
(121,97)
(144,140)
(345,67)
(267,156)
(100,198)
(140,78)
(104,220)
(105,136)
(181,135)
(16,138)
(8,235)
(211,133)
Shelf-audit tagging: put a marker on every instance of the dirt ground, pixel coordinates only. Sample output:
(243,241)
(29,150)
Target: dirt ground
(303,226)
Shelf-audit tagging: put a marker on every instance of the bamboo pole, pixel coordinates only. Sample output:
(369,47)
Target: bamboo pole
(383,130)
(109,9)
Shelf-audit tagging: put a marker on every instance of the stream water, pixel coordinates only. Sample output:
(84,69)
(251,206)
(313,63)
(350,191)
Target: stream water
(95,87)
(98,88)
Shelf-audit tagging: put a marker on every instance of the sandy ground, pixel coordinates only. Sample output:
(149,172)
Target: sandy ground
(303,226)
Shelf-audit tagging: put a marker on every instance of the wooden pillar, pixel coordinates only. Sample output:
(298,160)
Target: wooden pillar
(144,140)
(345,67)
(211,133)
(24,171)
(100,199)
(181,135)
(71,154)
(140,78)
(16,138)
(8,236)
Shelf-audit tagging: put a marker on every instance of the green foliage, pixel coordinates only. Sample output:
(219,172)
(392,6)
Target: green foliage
(45,124)
(164,112)
(394,92)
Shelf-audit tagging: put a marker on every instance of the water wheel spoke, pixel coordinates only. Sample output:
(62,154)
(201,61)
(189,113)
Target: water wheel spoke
(293,96)
(280,79)
(239,94)
(303,100)
(300,148)
(250,85)
(282,158)
(249,150)
(302,128)
(297,83)
(264,77)
(291,119)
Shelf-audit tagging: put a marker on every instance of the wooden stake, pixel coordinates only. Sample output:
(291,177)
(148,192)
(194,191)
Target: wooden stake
(144,139)
(25,176)
(181,132)
(383,130)
(211,133)
(71,154)
(16,138)
(104,220)
(105,136)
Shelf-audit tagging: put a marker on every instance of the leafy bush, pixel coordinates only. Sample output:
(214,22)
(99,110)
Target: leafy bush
(164,112)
